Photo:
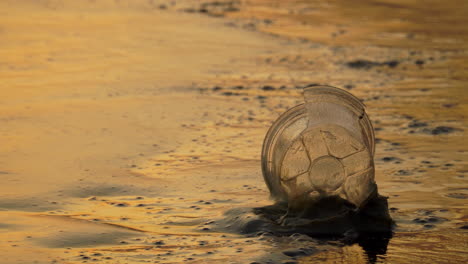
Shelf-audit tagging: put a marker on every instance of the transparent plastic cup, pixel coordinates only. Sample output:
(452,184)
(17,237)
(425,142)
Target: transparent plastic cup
(322,148)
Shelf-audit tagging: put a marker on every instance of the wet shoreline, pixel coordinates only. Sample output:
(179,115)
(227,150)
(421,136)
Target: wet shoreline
(127,128)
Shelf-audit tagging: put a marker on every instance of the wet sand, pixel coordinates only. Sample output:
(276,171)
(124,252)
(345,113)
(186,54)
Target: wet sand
(131,130)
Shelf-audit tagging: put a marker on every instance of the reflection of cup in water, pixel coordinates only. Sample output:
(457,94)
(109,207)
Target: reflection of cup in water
(322,148)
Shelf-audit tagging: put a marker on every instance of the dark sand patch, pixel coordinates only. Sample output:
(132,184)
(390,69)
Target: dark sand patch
(31,204)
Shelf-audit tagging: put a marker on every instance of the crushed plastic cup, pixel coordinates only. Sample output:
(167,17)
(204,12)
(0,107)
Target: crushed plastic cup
(321,148)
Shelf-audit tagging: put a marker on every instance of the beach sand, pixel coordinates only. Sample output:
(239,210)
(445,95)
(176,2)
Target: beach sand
(131,130)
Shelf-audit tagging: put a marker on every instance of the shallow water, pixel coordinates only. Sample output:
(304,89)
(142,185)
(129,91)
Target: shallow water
(127,128)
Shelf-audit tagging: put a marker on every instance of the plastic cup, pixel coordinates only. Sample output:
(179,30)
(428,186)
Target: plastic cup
(321,148)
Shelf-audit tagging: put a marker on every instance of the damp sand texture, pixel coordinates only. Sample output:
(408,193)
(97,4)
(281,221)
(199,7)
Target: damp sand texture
(130,131)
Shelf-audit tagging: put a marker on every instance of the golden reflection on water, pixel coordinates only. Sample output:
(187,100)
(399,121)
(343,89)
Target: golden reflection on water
(115,146)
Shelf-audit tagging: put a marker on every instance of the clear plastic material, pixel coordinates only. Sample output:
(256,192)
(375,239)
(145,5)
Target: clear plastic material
(322,148)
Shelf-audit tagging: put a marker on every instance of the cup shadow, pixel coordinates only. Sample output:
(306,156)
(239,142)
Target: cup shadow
(370,227)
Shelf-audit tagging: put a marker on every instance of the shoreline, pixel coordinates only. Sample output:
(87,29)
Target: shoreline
(146,123)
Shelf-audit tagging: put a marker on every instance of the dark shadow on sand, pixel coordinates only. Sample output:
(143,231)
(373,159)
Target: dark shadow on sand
(331,220)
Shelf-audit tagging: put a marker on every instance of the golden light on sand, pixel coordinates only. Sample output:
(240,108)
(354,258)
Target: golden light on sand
(129,128)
